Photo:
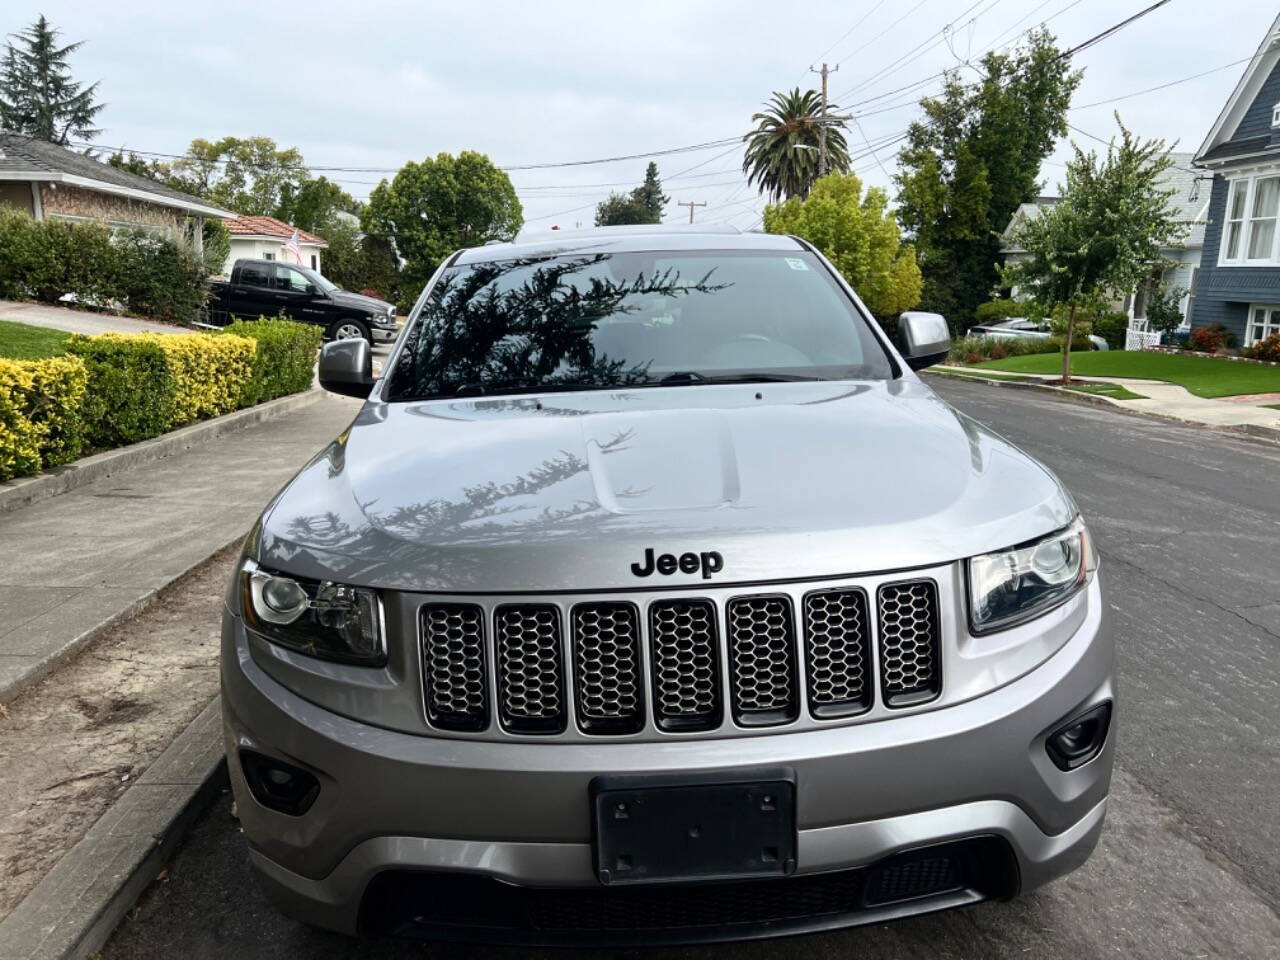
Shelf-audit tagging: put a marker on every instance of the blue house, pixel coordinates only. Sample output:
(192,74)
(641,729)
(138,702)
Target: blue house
(1238,284)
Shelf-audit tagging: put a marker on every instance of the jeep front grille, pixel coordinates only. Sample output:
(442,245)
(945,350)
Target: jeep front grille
(686,664)
(837,637)
(606,659)
(657,664)
(453,666)
(530,668)
(909,642)
(762,660)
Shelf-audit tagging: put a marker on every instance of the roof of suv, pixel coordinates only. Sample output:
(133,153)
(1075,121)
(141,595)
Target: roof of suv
(628,240)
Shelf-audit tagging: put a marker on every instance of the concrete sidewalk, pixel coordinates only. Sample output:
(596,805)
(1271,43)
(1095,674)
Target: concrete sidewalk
(76,563)
(1161,399)
(80,321)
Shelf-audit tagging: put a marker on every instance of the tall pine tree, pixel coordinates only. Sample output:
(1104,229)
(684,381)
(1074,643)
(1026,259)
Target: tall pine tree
(38,96)
(644,204)
(966,168)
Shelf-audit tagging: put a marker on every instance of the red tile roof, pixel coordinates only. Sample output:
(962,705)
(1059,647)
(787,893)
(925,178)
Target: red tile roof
(268,227)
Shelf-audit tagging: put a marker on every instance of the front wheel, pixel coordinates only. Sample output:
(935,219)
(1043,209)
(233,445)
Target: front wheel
(349,330)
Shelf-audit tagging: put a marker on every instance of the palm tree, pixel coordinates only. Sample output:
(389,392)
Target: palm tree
(782,151)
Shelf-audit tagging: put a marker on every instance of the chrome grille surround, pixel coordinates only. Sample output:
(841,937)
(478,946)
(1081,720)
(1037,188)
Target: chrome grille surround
(969,666)
(685,648)
(910,642)
(454,678)
(837,640)
(530,655)
(609,683)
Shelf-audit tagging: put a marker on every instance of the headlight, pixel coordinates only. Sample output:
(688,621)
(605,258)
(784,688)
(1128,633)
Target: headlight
(1014,585)
(320,618)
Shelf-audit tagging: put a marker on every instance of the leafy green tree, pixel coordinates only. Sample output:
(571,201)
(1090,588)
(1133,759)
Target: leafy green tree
(1103,238)
(782,152)
(216,245)
(972,160)
(644,204)
(312,203)
(859,235)
(38,96)
(432,208)
(1164,308)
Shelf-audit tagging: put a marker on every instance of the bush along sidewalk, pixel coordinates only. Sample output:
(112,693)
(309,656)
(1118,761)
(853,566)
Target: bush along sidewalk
(115,389)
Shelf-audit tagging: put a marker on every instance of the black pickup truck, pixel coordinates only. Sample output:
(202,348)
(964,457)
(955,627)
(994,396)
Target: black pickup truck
(269,289)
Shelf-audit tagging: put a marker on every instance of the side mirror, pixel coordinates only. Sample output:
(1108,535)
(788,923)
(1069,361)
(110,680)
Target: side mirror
(923,339)
(346,367)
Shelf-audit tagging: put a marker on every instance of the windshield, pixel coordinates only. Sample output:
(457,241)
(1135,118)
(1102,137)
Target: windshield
(324,283)
(597,320)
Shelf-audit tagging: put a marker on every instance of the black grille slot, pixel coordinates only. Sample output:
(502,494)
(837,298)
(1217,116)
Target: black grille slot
(762,660)
(686,665)
(531,694)
(606,652)
(453,671)
(837,633)
(911,878)
(910,655)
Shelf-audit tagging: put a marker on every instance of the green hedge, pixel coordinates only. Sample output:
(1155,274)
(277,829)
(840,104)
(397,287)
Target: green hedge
(285,360)
(41,413)
(977,349)
(1111,327)
(148,274)
(130,388)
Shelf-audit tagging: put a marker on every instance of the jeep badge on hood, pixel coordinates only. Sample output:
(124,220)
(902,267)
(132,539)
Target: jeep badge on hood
(708,562)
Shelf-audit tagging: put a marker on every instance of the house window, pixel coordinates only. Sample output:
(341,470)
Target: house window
(1253,208)
(1275,116)
(1264,320)
(313,261)
(268,256)
(1262,221)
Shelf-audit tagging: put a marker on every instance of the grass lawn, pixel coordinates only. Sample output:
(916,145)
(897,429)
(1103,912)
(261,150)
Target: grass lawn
(983,375)
(1112,390)
(1203,376)
(19,341)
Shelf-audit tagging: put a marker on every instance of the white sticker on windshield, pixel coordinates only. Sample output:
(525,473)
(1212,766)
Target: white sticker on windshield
(797,264)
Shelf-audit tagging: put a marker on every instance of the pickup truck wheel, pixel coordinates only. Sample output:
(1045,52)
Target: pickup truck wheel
(349,330)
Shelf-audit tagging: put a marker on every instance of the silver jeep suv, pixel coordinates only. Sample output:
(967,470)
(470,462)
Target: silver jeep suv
(652,597)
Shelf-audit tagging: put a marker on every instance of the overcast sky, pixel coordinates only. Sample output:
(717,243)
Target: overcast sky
(373,84)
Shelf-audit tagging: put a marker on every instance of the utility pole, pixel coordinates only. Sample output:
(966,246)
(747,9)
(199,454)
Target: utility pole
(822,124)
(691,204)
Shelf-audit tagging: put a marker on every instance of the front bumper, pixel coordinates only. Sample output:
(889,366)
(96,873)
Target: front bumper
(384,333)
(519,812)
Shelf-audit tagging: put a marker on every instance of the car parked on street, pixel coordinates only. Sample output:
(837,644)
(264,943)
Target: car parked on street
(652,597)
(268,288)
(1017,328)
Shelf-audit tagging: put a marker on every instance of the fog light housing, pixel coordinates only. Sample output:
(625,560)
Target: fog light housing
(278,785)
(1080,739)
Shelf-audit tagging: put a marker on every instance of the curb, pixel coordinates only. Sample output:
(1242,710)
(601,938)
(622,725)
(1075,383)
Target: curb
(1247,431)
(75,908)
(28,490)
(11,688)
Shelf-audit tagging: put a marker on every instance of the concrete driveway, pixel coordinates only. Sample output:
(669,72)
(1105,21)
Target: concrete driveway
(80,321)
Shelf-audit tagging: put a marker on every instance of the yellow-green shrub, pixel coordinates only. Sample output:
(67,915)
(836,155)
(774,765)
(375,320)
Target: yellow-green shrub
(41,413)
(210,372)
(142,384)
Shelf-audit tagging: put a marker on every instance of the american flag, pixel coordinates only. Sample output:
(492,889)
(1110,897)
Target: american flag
(292,248)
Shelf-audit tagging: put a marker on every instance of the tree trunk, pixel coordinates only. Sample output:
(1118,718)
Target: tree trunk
(1066,346)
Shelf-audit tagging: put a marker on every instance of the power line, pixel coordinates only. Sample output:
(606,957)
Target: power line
(882,32)
(1163,86)
(862,19)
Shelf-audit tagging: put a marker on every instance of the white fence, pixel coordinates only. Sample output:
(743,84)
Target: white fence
(1139,338)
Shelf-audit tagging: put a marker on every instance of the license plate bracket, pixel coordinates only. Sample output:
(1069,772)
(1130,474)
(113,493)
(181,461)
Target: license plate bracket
(682,829)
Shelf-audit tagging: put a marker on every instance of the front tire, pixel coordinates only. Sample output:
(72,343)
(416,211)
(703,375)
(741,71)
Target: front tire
(349,329)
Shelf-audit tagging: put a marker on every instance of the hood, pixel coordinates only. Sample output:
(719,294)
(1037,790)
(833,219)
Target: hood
(358,300)
(568,492)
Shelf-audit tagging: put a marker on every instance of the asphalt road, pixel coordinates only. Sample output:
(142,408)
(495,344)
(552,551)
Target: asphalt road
(1188,522)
